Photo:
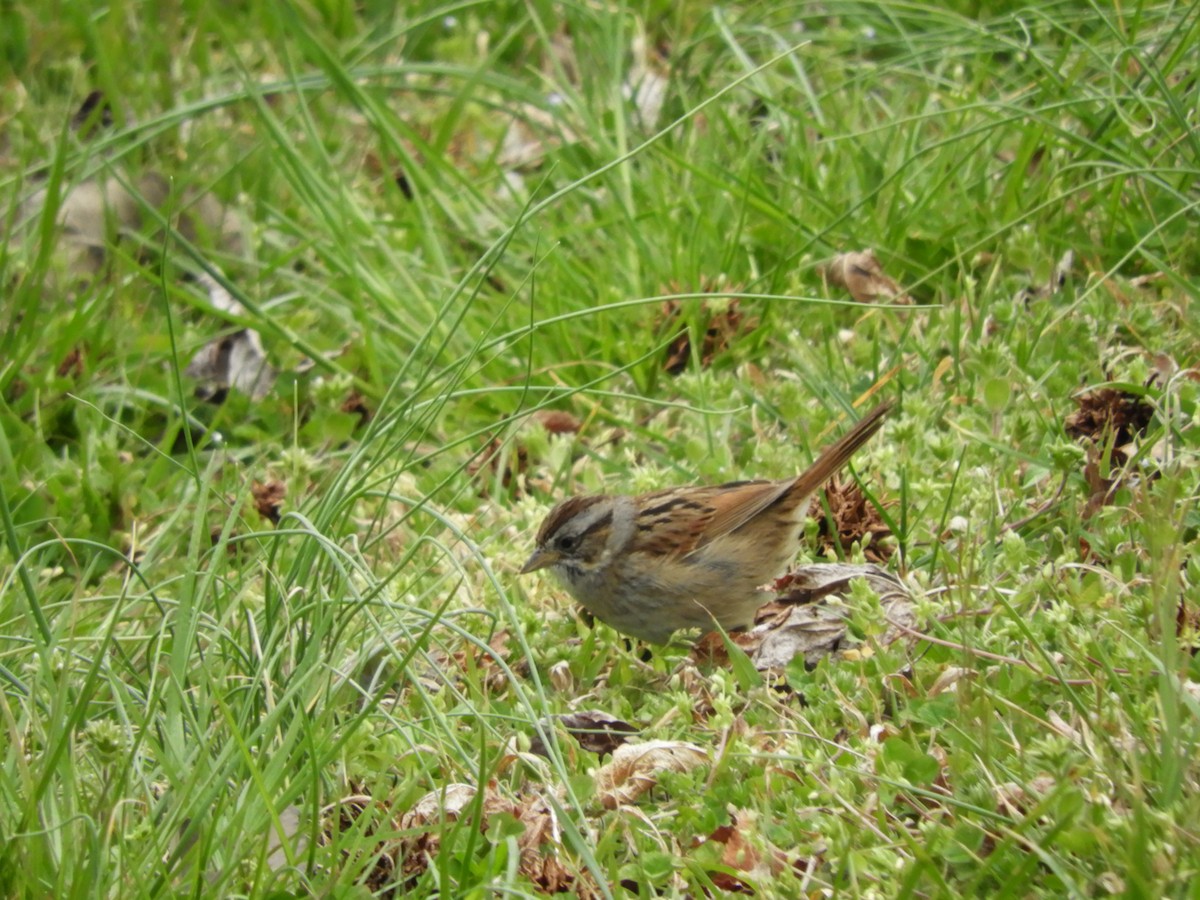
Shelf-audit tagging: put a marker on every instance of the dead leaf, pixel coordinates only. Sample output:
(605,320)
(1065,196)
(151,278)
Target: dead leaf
(1100,489)
(854,519)
(802,622)
(232,547)
(747,851)
(488,461)
(1108,410)
(94,115)
(268,498)
(412,854)
(634,769)
(560,677)
(356,404)
(948,679)
(1016,799)
(72,364)
(1148,280)
(532,133)
(308,364)
(558,421)
(539,845)
(343,815)
(1108,417)
(862,275)
(809,584)
(596,731)
(375,168)
(235,360)
(95,214)
(1187,623)
(495,676)
(441,805)
(722,320)
(645,85)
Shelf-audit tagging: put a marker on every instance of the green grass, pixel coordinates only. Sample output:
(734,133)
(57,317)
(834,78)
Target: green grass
(180,676)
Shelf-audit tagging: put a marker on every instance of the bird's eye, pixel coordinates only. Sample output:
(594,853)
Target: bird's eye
(567,543)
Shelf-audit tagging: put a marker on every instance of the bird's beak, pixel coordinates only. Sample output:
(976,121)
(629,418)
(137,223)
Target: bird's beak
(542,557)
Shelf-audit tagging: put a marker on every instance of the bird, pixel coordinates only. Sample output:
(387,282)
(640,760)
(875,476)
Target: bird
(652,564)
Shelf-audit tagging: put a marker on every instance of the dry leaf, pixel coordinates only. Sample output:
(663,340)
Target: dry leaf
(722,318)
(235,360)
(374,166)
(94,214)
(495,676)
(94,115)
(854,518)
(634,769)
(802,622)
(268,498)
(747,852)
(557,421)
(948,678)
(596,731)
(342,816)
(1017,800)
(356,404)
(532,133)
(645,86)
(1107,410)
(789,631)
(307,364)
(440,805)
(1100,489)
(1105,415)
(862,275)
(539,844)
(1148,280)
(561,678)
(72,364)
(1187,623)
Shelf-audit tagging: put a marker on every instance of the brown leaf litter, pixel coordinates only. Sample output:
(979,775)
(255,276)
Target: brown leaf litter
(73,363)
(722,319)
(495,676)
(596,731)
(635,769)
(397,862)
(806,618)
(1187,623)
(1107,417)
(862,275)
(746,852)
(268,499)
(356,404)
(97,213)
(855,519)
(1110,411)
(94,115)
(235,360)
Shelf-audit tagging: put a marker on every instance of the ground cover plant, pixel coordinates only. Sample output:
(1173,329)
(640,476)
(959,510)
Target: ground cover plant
(312,311)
